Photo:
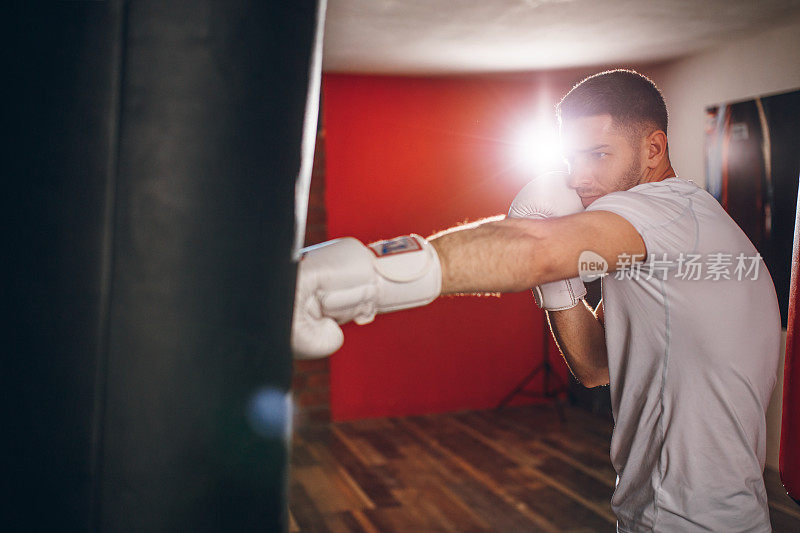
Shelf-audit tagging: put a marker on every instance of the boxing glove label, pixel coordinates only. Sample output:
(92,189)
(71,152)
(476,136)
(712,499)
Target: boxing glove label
(399,245)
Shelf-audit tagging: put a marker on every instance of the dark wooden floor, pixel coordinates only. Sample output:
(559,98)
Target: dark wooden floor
(522,469)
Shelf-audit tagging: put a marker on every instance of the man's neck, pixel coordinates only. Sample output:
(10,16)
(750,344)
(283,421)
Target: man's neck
(663,171)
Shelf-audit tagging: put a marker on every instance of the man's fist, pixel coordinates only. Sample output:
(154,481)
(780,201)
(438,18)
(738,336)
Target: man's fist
(549,196)
(343,280)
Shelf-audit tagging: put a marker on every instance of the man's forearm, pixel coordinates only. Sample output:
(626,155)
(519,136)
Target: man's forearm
(494,255)
(581,338)
(515,254)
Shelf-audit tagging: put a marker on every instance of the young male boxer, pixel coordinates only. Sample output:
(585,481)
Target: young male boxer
(688,331)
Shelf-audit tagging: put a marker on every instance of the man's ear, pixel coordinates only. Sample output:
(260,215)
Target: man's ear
(656,148)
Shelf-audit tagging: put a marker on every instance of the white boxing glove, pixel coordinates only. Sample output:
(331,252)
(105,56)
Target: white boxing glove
(549,196)
(343,280)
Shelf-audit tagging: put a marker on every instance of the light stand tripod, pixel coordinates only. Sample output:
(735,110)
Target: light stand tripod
(548,376)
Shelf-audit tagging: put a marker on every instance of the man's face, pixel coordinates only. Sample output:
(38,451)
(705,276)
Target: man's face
(600,156)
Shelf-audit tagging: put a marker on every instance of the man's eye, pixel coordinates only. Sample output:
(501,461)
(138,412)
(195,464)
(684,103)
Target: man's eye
(598,155)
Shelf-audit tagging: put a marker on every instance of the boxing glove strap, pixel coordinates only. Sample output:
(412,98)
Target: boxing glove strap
(409,272)
(559,295)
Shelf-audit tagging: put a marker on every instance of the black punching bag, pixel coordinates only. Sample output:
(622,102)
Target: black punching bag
(155,158)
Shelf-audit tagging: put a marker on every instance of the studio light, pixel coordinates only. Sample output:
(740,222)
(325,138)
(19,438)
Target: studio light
(537,148)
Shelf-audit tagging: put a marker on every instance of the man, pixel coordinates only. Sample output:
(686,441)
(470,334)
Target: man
(688,331)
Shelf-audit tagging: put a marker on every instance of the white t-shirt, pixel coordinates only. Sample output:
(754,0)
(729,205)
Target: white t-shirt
(692,364)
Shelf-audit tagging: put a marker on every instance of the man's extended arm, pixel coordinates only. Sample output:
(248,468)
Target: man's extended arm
(343,280)
(512,255)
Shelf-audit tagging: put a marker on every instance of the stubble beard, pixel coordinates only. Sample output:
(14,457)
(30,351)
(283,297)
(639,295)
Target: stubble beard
(630,178)
(632,175)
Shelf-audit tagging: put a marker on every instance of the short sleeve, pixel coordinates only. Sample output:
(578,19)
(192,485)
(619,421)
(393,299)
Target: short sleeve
(664,219)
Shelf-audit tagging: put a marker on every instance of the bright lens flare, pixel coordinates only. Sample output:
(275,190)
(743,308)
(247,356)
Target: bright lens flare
(538,149)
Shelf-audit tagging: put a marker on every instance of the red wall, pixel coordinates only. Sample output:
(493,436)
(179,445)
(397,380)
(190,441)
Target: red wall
(419,155)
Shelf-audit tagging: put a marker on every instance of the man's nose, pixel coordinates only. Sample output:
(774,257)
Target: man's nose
(579,178)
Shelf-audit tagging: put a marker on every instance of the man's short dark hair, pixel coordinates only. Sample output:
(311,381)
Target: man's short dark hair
(633,101)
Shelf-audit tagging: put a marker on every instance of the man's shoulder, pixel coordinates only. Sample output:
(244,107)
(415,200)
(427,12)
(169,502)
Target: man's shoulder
(655,204)
(667,187)
(670,194)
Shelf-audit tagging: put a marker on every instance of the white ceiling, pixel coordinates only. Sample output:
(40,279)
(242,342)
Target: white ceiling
(460,36)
